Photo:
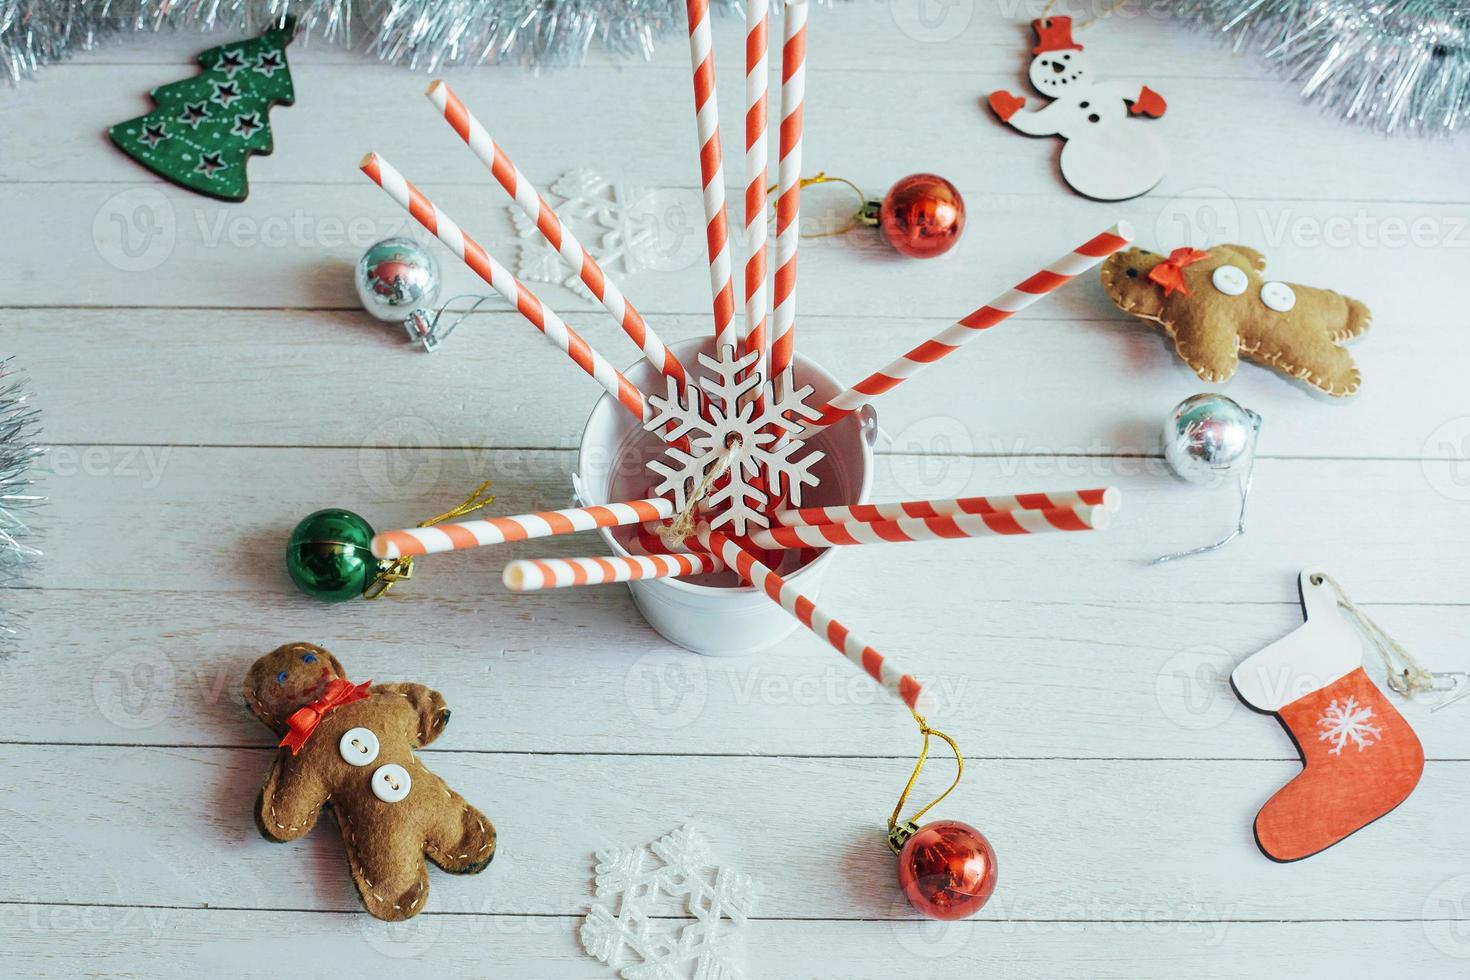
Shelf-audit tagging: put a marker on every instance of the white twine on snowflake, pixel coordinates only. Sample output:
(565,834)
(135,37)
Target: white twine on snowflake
(686,522)
(1405,674)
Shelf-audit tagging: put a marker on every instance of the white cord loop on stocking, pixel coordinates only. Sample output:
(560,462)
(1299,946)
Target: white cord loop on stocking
(1405,675)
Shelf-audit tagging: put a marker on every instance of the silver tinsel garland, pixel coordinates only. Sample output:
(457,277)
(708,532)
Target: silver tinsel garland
(426,34)
(1398,65)
(19,427)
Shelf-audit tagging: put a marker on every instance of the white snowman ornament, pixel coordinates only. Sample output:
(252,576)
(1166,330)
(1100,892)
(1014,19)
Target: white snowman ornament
(1109,154)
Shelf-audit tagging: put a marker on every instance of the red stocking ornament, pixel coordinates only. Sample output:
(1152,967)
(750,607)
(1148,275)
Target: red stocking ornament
(1360,757)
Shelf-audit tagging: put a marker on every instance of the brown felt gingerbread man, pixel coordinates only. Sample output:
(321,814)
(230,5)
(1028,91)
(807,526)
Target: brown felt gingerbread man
(1218,306)
(350,747)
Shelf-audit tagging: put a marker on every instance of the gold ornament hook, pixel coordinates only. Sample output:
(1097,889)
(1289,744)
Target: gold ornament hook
(858,217)
(898,832)
(399,569)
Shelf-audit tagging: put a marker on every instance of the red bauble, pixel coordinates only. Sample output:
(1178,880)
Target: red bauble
(947,870)
(922,216)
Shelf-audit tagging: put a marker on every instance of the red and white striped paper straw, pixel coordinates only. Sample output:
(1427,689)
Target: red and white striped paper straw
(1001,522)
(535,574)
(757,82)
(1110,498)
(788,189)
(712,172)
(789,598)
(1028,291)
(498,276)
(478,139)
(497,530)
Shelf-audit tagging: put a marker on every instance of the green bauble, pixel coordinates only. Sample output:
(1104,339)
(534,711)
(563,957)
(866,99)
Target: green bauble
(330,557)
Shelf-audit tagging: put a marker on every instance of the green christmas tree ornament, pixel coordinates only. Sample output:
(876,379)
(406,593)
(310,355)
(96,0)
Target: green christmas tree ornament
(330,555)
(206,127)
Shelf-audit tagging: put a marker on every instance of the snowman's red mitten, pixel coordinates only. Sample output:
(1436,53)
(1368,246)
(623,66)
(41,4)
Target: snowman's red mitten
(1005,105)
(1360,757)
(1148,103)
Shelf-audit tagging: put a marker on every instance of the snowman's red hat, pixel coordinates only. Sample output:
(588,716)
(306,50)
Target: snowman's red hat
(1054,34)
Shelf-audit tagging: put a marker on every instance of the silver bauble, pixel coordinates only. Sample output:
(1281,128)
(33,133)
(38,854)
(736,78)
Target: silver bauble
(1208,435)
(395,278)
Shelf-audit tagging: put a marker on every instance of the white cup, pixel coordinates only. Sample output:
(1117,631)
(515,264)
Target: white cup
(720,619)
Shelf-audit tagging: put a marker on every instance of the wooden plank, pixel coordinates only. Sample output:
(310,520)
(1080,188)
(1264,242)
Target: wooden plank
(1108,759)
(1071,843)
(320,139)
(63,941)
(215,520)
(1017,391)
(169,668)
(294,244)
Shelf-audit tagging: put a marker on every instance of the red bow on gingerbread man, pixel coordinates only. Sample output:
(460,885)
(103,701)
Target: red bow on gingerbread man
(305,719)
(1170,272)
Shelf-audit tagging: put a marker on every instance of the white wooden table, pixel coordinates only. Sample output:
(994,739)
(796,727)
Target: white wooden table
(208,379)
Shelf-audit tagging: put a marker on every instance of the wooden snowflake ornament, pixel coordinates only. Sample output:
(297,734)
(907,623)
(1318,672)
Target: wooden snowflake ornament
(733,448)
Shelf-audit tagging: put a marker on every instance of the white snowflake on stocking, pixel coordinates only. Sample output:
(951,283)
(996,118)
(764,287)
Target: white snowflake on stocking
(642,882)
(618,223)
(1347,722)
(728,436)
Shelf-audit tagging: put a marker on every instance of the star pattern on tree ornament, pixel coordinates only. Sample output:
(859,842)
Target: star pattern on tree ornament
(632,931)
(225,93)
(269,63)
(231,61)
(209,164)
(756,449)
(216,120)
(152,135)
(247,125)
(194,113)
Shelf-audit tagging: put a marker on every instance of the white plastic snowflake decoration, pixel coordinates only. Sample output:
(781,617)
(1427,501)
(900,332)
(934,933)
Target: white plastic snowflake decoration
(1347,722)
(673,875)
(722,421)
(608,218)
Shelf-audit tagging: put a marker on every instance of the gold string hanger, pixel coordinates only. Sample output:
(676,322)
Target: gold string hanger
(1105,13)
(898,832)
(858,217)
(400,569)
